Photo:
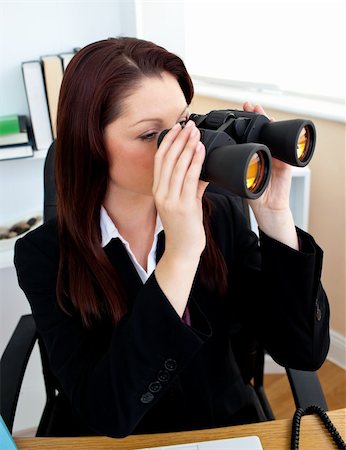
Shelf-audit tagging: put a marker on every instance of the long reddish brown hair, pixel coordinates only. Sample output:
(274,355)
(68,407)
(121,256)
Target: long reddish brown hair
(95,83)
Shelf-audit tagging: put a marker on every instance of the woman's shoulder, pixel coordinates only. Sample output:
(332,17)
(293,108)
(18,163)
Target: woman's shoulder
(39,246)
(42,236)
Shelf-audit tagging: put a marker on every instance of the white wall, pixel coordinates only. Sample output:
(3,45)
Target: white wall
(162,22)
(272,45)
(29,29)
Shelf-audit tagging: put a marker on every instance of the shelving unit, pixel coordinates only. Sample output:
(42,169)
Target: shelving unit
(40,154)
(21,180)
(7,247)
(6,258)
(21,196)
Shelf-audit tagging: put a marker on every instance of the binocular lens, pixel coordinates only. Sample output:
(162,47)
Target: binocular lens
(255,174)
(304,142)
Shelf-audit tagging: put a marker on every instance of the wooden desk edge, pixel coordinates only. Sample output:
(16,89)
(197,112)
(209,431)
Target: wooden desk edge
(274,435)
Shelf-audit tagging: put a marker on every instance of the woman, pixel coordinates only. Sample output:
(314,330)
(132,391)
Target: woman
(145,284)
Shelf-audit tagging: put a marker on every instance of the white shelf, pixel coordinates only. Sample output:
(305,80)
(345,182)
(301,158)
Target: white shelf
(28,191)
(37,154)
(40,154)
(7,245)
(6,259)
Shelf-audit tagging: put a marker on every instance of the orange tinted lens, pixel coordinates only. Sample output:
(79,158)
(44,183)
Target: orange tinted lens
(255,172)
(303,143)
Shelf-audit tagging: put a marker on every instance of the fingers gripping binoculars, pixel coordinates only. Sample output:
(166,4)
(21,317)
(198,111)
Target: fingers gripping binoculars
(239,147)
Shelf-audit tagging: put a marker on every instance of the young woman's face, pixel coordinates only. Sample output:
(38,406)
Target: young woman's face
(131,140)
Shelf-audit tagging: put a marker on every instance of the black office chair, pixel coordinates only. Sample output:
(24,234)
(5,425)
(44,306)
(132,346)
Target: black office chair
(13,365)
(305,386)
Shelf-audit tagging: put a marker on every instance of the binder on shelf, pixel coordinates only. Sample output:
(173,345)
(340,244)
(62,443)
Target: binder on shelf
(37,102)
(13,130)
(66,58)
(53,73)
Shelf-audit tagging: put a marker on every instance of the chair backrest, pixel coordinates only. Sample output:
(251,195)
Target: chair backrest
(49,192)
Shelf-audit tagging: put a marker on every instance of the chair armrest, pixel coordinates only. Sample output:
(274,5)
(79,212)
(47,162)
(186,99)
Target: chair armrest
(306,388)
(13,365)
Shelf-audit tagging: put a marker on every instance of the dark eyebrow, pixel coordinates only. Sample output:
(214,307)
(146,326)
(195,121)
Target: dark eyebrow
(156,119)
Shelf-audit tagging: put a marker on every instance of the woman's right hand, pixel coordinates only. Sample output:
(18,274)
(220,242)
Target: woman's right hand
(178,190)
(178,193)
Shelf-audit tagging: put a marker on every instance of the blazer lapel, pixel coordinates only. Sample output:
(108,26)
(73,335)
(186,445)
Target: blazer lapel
(121,261)
(160,245)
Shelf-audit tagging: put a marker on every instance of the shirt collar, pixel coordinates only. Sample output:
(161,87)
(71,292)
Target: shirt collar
(109,231)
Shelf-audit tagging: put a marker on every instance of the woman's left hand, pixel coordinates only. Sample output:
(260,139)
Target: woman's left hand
(272,209)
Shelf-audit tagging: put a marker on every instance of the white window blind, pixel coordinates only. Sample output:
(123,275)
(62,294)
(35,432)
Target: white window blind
(291,45)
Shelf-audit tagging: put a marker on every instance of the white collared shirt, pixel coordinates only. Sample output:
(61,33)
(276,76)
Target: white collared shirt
(109,231)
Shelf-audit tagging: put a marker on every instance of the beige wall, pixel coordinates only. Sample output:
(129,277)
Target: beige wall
(327,202)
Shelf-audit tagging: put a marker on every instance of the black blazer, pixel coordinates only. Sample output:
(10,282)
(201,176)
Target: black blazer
(154,373)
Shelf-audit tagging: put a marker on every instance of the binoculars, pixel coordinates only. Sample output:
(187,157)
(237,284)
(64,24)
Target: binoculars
(239,147)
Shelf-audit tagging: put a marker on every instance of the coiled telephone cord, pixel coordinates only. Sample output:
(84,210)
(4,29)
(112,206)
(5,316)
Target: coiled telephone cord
(300,412)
